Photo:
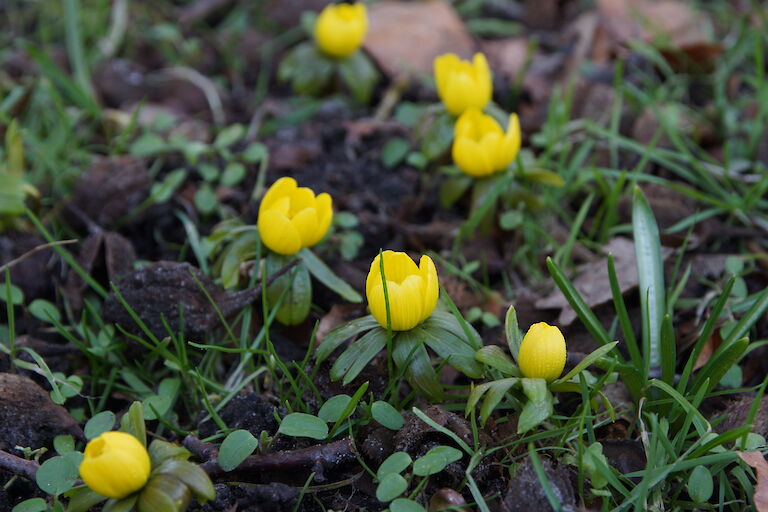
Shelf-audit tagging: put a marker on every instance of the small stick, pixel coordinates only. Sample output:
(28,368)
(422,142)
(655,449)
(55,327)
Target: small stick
(18,466)
(319,459)
(33,251)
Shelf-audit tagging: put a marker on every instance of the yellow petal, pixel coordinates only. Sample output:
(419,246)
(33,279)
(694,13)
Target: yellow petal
(484,82)
(305,223)
(302,198)
(444,66)
(469,156)
(278,233)
(460,93)
(279,189)
(324,206)
(405,303)
(398,266)
(512,139)
(431,288)
(340,29)
(542,352)
(374,275)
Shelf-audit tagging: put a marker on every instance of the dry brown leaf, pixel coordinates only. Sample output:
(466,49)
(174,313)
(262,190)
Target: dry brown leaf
(405,37)
(592,280)
(757,461)
(673,23)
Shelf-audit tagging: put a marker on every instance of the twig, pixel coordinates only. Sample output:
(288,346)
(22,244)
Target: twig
(18,466)
(33,251)
(320,459)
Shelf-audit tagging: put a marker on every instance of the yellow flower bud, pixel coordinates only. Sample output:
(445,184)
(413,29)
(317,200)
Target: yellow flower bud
(480,146)
(115,464)
(462,84)
(412,290)
(291,217)
(340,29)
(542,352)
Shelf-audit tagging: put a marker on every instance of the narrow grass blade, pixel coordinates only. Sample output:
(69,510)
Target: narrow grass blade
(668,350)
(650,273)
(706,332)
(573,297)
(623,315)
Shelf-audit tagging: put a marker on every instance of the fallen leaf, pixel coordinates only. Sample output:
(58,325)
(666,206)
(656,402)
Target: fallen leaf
(757,461)
(405,37)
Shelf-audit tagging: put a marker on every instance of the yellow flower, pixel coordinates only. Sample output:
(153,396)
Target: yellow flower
(462,84)
(542,352)
(291,217)
(340,29)
(480,146)
(115,464)
(412,290)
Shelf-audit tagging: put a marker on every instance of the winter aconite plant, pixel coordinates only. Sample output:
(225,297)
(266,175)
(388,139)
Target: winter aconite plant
(291,220)
(402,298)
(462,84)
(118,468)
(338,33)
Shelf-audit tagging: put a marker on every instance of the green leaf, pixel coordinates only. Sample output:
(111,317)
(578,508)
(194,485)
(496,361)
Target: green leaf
(544,177)
(163,493)
(390,487)
(719,364)
(233,174)
(435,460)
(326,276)
(352,361)
(63,443)
(81,499)
(229,135)
(56,475)
(255,152)
(573,297)
(32,505)
(511,219)
(394,151)
(539,407)
(405,505)
(133,422)
(451,348)
(340,334)
(349,409)
(14,149)
(17,296)
(454,324)
(593,461)
(452,188)
(163,191)
(160,451)
(192,475)
(410,354)
(235,448)
(387,415)
(512,332)
(296,289)
(100,423)
(308,70)
(494,27)
(590,359)
(205,199)
(148,144)
(298,424)
(750,318)
(208,172)
(360,75)
(439,136)
(12,194)
(395,463)
(331,410)
(495,357)
(650,272)
(700,486)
